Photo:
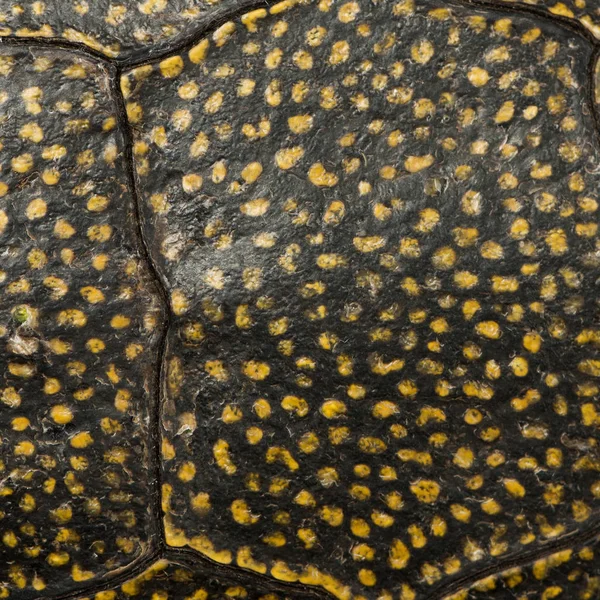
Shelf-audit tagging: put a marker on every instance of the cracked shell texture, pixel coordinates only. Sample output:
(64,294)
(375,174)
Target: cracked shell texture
(78,332)
(378,227)
(120,30)
(180,580)
(571,573)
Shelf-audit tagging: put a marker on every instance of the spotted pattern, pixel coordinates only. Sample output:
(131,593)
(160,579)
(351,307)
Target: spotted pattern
(584,12)
(78,332)
(121,30)
(378,227)
(573,573)
(393,207)
(176,580)
(125,30)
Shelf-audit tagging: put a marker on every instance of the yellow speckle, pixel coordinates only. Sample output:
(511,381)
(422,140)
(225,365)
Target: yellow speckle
(256,370)
(92,295)
(556,239)
(241,513)
(81,440)
(369,243)
(186,471)
(120,322)
(250,19)
(320,177)
(514,488)
(422,52)
(223,457)
(198,53)
(300,123)
(541,171)
(78,574)
(295,404)
(414,164)
(201,503)
(506,112)
(32,132)
(425,490)
(255,208)
(22,163)
(489,329)
(287,158)
(478,76)
(399,555)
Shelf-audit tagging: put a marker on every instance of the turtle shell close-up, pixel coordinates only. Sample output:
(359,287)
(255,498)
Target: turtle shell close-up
(299,300)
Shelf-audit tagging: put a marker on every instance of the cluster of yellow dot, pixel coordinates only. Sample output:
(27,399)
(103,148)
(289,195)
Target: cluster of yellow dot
(51,348)
(584,11)
(107,28)
(203,105)
(556,576)
(168,581)
(114,29)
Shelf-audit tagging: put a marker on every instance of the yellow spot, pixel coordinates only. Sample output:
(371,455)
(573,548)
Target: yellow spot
(223,458)
(425,490)
(340,52)
(71,317)
(399,555)
(186,471)
(489,329)
(58,559)
(502,284)
(120,322)
(241,513)
(92,295)
(369,243)
(295,404)
(288,157)
(78,574)
(428,219)
(514,488)
(81,440)
(32,132)
(506,112)
(422,52)
(444,258)
(478,76)
(320,177)
(519,366)
(278,454)
(333,409)
(252,172)
(134,112)
(255,208)
(556,239)
(541,171)
(590,366)
(198,53)
(330,261)
(199,146)
(216,369)
(256,370)
(300,123)
(464,458)
(371,445)
(191,183)
(347,12)
(249,19)
(414,164)
(201,503)
(22,163)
